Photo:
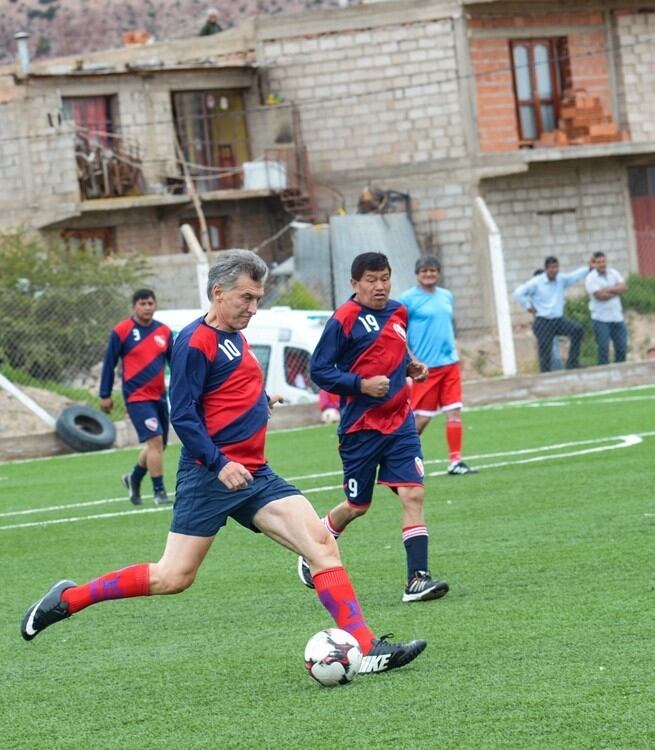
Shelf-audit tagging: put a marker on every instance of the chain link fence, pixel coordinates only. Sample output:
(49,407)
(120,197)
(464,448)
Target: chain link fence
(57,309)
(55,339)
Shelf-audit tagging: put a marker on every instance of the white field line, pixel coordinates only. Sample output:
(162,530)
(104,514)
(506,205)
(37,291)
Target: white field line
(522,451)
(625,441)
(499,407)
(51,508)
(321,475)
(95,517)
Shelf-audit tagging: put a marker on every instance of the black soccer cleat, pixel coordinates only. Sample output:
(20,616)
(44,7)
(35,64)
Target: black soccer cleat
(304,573)
(385,656)
(423,587)
(459,467)
(132,488)
(46,611)
(161,498)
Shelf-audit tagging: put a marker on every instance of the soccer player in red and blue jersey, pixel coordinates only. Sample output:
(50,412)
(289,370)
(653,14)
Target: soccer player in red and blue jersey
(144,346)
(363,356)
(220,411)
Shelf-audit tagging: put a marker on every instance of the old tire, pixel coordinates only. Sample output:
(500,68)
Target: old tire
(85,429)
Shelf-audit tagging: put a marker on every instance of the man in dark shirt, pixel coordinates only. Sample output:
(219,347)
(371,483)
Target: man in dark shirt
(211,24)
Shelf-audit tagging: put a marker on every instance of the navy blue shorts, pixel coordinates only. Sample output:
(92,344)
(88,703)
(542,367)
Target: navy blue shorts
(398,456)
(203,503)
(150,418)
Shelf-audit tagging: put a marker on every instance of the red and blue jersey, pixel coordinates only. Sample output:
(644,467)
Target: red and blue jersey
(218,404)
(144,351)
(359,342)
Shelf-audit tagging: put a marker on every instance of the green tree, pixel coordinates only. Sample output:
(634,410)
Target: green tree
(57,308)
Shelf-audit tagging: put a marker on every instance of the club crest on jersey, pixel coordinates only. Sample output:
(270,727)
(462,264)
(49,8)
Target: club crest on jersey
(160,341)
(419,466)
(400,331)
(152,423)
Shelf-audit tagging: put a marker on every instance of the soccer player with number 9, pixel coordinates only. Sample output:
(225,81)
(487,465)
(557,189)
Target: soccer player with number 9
(363,356)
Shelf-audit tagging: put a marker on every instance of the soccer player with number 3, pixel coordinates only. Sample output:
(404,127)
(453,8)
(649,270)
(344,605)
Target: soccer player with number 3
(363,356)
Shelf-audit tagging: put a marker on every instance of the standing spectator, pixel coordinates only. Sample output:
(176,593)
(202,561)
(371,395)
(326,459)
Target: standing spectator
(605,287)
(144,346)
(431,337)
(362,355)
(220,411)
(543,296)
(556,359)
(211,24)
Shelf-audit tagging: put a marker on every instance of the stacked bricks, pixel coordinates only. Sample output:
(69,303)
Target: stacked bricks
(582,121)
(492,66)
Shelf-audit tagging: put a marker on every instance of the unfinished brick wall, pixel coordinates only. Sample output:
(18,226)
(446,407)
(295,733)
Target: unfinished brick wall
(36,155)
(492,66)
(561,210)
(378,97)
(636,51)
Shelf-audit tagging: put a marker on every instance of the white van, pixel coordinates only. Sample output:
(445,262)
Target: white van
(283,341)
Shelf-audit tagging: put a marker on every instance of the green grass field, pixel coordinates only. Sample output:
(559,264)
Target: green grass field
(546,639)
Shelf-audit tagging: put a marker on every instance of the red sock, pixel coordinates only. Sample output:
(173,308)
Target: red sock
(337,595)
(120,584)
(454,439)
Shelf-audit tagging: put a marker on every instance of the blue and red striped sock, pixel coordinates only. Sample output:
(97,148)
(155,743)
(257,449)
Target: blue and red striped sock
(119,584)
(337,595)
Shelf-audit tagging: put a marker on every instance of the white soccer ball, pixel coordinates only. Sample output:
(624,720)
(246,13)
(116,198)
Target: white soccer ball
(332,657)
(330,416)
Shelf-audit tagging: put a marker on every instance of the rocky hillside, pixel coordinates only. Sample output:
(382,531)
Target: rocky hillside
(67,27)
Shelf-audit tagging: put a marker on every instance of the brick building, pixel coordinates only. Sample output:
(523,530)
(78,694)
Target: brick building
(542,109)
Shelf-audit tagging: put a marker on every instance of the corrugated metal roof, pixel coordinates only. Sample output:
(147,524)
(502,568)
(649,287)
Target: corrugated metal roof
(323,255)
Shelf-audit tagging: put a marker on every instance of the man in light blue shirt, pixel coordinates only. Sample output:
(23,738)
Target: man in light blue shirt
(431,339)
(543,296)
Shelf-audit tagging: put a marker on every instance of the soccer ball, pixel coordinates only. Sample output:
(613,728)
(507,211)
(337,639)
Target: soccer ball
(330,416)
(332,657)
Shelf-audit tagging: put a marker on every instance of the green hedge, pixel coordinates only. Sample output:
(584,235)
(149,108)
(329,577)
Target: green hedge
(57,309)
(640,296)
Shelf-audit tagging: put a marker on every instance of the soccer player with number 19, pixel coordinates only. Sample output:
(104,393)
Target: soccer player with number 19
(363,356)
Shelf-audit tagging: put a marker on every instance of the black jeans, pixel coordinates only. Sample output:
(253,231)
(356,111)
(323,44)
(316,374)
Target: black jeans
(617,333)
(545,329)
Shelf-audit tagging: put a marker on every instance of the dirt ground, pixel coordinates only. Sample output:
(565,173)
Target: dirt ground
(17,420)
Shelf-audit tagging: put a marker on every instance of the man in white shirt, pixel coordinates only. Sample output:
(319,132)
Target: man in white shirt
(543,296)
(605,287)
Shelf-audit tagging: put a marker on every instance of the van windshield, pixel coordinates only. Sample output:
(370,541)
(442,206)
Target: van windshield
(263,354)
